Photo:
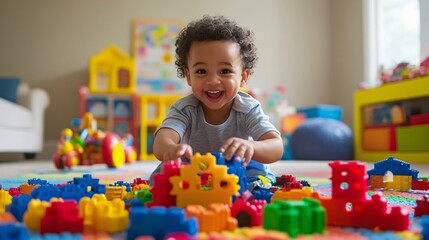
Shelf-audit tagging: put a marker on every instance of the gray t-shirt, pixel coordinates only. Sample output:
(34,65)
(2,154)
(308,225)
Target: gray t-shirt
(246,121)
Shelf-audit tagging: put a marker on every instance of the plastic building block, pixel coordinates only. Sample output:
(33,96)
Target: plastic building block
(189,190)
(37,181)
(46,192)
(294,217)
(424,222)
(294,194)
(233,167)
(399,183)
(19,206)
(87,208)
(13,231)
(216,218)
(159,221)
(420,184)
(110,216)
(248,212)
(349,205)
(114,192)
(61,217)
(14,192)
(35,211)
(27,188)
(395,166)
(262,194)
(5,199)
(89,185)
(422,207)
(122,183)
(7,217)
(161,185)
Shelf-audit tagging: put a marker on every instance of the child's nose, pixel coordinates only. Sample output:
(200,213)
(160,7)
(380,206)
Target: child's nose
(214,79)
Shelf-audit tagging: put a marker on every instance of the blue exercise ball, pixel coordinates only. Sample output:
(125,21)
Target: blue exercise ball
(322,139)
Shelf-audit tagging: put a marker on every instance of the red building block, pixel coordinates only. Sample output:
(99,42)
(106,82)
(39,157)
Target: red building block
(62,217)
(248,213)
(161,187)
(422,207)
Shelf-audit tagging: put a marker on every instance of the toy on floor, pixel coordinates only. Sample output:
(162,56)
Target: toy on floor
(83,144)
(350,207)
(397,175)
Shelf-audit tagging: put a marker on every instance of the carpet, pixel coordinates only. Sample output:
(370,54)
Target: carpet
(316,173)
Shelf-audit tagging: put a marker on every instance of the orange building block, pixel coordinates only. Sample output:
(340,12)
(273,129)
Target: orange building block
(188,189)
(293,194)
(7,217)
(379,139)
(376,181)
(27,188)
(215,219)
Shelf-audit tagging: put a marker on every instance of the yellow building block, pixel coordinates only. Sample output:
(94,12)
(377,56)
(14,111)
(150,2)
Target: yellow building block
(87,208)
(111,216)
(399,183)
(215,219)
(101,215)
(35,211)
(112,71)
(5,199)
(293,194)
(113,192)
(187,186)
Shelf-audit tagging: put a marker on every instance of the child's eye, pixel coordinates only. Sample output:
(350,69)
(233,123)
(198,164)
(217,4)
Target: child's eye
(200,71)
(225,71)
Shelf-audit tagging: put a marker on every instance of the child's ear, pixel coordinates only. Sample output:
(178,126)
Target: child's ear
(188,77)
(244,77)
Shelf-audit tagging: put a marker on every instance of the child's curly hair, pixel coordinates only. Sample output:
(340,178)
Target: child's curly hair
(215,28)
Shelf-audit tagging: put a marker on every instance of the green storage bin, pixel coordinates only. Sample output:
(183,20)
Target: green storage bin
(413,138)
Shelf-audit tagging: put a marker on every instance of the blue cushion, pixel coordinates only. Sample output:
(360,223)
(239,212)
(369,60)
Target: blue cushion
(9,88)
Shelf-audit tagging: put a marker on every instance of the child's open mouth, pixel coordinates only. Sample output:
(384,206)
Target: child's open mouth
(214,94)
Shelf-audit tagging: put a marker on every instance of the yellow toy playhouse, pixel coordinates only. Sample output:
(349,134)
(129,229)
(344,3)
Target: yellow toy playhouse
(112,71)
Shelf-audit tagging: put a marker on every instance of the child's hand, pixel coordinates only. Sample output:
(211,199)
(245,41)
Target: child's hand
(180,150)
(240,147)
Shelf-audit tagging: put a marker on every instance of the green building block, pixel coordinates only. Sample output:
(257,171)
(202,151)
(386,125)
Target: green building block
(413,138)
(295,217)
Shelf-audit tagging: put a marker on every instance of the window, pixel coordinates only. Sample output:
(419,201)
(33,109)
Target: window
(395,31)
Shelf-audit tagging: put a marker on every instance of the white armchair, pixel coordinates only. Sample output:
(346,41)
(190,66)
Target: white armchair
(22,123)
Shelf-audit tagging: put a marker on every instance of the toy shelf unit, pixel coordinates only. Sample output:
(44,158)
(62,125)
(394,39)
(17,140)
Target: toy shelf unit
(113,112)
(393,120)
(153,109)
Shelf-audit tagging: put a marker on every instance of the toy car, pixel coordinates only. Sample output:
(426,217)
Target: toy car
(83,144)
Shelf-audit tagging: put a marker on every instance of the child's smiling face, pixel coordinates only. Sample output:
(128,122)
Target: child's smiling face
(215,73)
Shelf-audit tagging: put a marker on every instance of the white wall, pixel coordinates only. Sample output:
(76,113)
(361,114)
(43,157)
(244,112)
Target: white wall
(312,46)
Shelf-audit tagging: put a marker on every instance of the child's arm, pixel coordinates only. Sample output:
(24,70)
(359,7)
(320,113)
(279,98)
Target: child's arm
(267,149)
(166,146)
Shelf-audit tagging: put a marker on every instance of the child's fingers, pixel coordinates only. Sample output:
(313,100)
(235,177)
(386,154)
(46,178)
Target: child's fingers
(226,145)
(248,156)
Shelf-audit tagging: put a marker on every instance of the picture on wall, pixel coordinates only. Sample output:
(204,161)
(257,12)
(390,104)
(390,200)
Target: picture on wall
(154,51)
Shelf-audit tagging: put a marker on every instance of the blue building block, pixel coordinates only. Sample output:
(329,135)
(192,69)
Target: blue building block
(424,222)
(13,231)
(19,206)
(233,167)
(90,185)
(159,221)
(263,194)
(46,192)
(72,191)
(35,181)
(122,183)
